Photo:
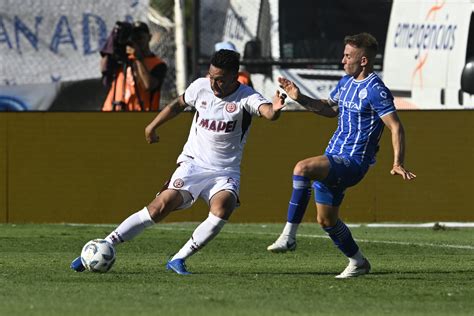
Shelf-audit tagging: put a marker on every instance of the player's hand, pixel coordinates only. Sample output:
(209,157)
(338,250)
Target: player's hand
(290,88)
(400,170)
(278,101)
(150,135)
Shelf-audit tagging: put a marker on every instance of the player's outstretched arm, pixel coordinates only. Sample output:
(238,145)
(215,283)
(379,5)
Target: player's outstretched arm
(320,107)
(393,122)
(170,111)
(272,111)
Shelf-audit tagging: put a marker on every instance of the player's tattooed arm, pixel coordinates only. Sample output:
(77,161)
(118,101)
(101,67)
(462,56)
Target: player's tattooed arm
(321,107)
(177,105)
(170,111)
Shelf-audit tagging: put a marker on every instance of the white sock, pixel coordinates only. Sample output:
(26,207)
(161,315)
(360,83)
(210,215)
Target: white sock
(130,227)
(357,259)
(204,233)
(290,230)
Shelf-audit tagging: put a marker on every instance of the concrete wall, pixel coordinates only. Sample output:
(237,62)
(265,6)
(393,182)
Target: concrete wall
(97,168)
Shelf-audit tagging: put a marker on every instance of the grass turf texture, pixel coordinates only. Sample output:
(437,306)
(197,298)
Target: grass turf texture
(415,271)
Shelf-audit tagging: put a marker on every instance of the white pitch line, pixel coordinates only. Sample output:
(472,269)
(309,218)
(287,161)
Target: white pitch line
(423,225)
(403,243)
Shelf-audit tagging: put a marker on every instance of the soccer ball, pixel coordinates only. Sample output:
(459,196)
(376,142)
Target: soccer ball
(98,255)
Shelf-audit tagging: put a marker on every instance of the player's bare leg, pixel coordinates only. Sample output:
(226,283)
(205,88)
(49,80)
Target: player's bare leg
(221,206)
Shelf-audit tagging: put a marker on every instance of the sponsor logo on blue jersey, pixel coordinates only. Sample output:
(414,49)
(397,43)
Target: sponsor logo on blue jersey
(351,105)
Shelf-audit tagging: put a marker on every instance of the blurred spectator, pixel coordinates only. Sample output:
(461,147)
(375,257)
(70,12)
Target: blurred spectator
(131,72)
(244,75)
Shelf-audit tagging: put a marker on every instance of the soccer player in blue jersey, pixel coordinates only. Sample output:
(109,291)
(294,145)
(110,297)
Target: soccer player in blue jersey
(363,106)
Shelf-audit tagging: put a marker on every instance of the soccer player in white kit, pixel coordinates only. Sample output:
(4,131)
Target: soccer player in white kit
(363,106)
(209,165)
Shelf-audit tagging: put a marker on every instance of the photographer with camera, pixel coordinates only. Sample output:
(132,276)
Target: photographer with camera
(131,72)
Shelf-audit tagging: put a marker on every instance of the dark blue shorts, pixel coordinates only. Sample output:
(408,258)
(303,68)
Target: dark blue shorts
(344,172)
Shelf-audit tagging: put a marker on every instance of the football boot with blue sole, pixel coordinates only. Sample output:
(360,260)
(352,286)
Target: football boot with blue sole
(177,266)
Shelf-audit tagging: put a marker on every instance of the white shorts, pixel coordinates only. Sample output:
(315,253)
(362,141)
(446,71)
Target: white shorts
(194,181)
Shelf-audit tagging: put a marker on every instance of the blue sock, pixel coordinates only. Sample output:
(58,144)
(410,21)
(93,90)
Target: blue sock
(299,199)
(342,238)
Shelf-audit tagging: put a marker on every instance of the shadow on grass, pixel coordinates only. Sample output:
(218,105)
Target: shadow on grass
(275,273)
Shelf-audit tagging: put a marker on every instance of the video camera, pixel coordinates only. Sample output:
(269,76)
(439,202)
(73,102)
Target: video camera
(125,33)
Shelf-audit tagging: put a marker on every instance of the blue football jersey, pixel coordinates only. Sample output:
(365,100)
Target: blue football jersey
(361,103)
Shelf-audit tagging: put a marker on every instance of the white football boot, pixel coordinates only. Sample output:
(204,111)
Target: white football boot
(283,244)
(352,271)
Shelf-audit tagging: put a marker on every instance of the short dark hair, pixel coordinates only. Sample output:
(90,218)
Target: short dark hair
(141,27)
(226,59)
(365,41)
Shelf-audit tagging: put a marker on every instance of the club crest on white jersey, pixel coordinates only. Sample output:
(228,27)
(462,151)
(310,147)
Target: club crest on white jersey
(178,183)
(231,107)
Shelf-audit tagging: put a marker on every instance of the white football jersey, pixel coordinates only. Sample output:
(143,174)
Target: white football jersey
(220,126)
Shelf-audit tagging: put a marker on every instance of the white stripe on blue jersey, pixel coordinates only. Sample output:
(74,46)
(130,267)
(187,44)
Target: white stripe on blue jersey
(362,104)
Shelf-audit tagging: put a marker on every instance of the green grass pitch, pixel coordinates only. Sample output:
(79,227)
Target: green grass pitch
(415,271)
